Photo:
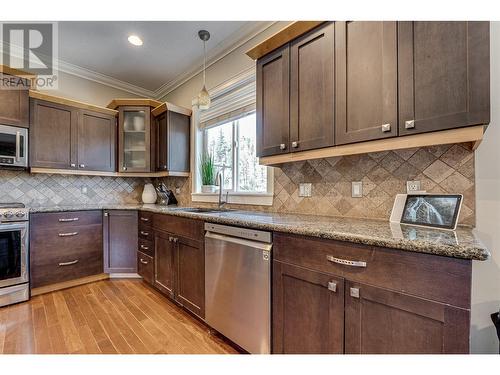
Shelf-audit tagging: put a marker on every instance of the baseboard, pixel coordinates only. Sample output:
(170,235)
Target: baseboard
(119,275)
(68,284)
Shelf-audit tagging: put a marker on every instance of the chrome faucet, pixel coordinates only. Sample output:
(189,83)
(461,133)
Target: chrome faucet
(218,179)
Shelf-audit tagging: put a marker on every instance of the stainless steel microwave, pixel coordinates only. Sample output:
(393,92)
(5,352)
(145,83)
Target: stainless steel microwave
(13,146)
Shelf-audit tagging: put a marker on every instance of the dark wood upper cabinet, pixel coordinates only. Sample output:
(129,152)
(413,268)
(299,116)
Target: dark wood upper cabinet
(52,142)
(308,311)
(65,137)
(444,75)
(134,139)
(164,263)
(273,103)
(172,142)
(379,321)
(312,89)
(96,141)
(14,104)
(190,269)
(366,81)
(120,241)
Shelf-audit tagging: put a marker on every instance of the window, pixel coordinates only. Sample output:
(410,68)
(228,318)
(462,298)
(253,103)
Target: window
(233,147)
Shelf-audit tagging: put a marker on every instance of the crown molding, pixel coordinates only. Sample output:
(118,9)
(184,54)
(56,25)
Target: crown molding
(103,79)
(223,49)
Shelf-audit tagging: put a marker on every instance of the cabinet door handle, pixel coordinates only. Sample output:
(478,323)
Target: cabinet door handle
(170,239)
(386,128)
(69,263)
(143,261)
(295,144)
(144,247)
(124,168)
(68,234)
(410,124)
(144,233)
(176,240)
(354,292)
(72,165)
(332,286)
(82,165)
(65,220)
(352,263)
(144,219)
(282,146)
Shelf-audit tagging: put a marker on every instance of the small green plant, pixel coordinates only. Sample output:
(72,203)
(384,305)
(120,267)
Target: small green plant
(207,169)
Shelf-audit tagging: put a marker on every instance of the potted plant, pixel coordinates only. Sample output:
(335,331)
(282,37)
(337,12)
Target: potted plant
(207,169)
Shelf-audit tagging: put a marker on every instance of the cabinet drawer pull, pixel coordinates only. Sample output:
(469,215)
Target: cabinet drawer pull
(295,144)
(282,146)
(170,239)
(68,234)
(82,165)
(410,124)
(143,261)
(386,128)
(354,292)
(69,263)
(352,263)
(144,219)
(144,247)
(332,286)
(144,233)
(72,165)
(65,220)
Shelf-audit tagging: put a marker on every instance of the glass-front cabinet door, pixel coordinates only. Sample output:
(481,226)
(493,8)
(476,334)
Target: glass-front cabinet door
(134,139)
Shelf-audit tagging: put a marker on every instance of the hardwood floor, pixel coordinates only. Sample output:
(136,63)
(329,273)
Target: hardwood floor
(109,317)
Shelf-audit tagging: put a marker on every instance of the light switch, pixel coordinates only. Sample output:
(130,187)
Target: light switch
(357,189)
(305,190)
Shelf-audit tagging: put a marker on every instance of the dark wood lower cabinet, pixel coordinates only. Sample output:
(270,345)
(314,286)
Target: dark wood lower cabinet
(120,241)
(308,311)
(379,321)
(164,263)
(145,267)
(391,305)
(190,288)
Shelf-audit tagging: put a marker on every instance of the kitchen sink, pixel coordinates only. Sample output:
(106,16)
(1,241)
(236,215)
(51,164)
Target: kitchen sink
(201,209)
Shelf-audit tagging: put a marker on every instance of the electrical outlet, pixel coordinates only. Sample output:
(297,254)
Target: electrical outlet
(305,190)
(357,189)
(412,186)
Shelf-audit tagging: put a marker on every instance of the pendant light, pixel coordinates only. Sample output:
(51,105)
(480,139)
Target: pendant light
(203,96)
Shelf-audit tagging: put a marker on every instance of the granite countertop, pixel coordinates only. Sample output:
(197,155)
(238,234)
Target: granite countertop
(461,243)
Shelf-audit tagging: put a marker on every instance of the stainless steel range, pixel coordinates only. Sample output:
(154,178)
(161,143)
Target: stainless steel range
(14,243)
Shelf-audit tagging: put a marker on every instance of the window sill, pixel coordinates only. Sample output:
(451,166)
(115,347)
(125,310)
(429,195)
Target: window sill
(260,199)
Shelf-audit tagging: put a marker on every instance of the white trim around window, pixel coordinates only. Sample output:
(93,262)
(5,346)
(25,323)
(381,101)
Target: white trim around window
(227,89)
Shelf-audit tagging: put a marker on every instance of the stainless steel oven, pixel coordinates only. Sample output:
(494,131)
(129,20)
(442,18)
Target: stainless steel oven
(14,245)
(13,146)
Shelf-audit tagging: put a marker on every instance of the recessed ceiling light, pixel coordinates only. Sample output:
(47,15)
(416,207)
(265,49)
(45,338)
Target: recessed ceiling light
(135,40)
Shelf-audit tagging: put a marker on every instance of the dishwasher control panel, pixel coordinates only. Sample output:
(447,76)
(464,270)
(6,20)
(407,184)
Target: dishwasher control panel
(249,234)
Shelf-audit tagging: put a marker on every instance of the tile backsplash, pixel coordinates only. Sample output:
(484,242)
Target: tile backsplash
(440,169)
(45,189)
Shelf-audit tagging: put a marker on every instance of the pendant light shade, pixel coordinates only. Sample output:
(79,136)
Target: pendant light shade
(203,96)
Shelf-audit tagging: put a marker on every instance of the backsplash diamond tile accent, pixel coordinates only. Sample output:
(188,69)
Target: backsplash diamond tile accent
(45,189)
(445,169)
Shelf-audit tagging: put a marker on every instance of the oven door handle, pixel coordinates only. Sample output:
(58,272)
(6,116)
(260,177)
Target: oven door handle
(7,227)
(18,146)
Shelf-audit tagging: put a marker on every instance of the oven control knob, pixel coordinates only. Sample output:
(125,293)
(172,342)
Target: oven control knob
(8,214)
(20,214)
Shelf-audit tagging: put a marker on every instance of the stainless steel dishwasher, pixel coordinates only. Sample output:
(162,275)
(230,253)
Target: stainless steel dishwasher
(238,285)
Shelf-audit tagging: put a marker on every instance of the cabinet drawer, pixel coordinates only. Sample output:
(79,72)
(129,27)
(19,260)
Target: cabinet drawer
(438,278)
(145,218)
(65,219)
(50,266)
(57,239)
(181,226)
(145,266)
(146,246)
(145,233)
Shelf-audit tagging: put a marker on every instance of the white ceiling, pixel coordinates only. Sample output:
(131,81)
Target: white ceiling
(171,49)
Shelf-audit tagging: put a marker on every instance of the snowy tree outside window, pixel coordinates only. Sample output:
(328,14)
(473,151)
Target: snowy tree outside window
(233,146)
